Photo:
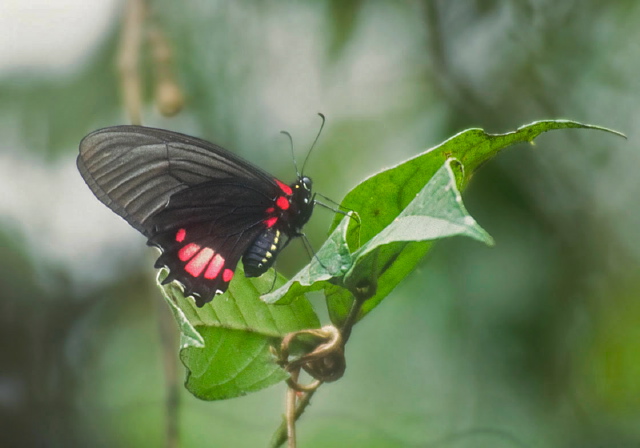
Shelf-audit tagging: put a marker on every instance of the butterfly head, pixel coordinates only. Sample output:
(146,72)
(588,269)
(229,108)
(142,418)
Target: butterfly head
(302,202)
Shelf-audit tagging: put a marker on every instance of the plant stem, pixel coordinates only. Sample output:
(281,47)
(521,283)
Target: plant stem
(291,412)
(350,321)
(129,59)
(169,342)
(280,436)
(295,407)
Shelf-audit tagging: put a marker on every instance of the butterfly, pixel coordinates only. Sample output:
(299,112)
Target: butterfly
(204,207)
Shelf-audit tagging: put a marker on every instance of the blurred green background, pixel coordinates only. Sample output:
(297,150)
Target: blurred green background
(532,343)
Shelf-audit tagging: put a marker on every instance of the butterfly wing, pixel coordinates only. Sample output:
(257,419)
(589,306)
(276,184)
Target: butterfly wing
(202,205)
(135,170)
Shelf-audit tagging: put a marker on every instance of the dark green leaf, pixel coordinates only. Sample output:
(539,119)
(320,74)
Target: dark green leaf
(232,363)
(225,344)
(381,198)
(436,212)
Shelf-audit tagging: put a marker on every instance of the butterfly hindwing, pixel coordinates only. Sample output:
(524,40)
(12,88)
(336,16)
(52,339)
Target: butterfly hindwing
(204,231)
(202,262)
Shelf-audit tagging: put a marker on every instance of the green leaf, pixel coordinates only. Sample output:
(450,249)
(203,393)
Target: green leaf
(231,364)
(436,212)
(189,336)
(382,197)
(225,344)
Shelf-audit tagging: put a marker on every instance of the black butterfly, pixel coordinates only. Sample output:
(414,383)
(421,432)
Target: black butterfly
(203,206)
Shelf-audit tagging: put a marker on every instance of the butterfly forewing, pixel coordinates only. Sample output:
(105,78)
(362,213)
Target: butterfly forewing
(135,170)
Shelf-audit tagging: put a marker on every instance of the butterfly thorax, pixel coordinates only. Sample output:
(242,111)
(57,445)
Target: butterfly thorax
(284,221)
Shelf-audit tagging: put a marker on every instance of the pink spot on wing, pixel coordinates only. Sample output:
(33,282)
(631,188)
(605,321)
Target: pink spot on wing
(269,222)
(181,235)
(285,188)
(199,262)
(270,210)
(282,202)
(227,275)
(214,267)
(188,251)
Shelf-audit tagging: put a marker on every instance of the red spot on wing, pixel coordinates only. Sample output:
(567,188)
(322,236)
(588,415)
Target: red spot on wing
(181,235)
(285,188)
(214,267)
(227,275)
(270,210)
(282,202)
(199,262)
(188,251)
(269,222)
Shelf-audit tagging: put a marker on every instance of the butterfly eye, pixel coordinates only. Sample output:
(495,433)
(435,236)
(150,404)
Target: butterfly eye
(306,183)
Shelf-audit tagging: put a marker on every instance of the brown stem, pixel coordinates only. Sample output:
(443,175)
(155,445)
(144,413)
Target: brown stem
(169,343)
(280,436)
(326,360)
(350,321)
(291,411)
(129,57)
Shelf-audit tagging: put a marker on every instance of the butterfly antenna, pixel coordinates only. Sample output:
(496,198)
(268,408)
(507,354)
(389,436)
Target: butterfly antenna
(293,156)
(315,141)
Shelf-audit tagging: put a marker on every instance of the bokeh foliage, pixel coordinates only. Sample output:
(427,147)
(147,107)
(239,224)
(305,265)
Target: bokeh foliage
(531,342)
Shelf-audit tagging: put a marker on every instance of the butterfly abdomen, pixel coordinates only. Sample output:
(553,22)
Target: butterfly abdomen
(262,253)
